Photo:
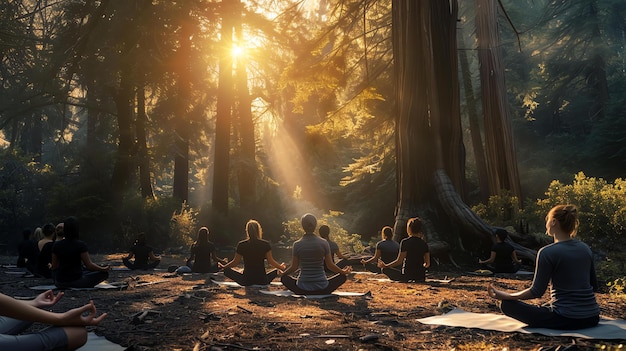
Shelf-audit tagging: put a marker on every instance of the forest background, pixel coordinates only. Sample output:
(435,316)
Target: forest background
(162,116)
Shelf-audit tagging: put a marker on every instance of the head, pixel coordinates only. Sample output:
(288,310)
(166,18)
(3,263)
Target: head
(203,235)
(254,230)
(414,226)
(387,232)
(324,231)
(59,230)
(565,217)
(309,223)
(38,234)
(501,234)
(48,231)
(70,228)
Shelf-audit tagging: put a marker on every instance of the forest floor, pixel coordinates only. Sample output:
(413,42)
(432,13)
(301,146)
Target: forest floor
(163,311)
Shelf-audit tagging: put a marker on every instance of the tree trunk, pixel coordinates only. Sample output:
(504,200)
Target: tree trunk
(474,127)
(181,158)
(142,148)
(124,105)
(247,168)
(223,116)
(501,159)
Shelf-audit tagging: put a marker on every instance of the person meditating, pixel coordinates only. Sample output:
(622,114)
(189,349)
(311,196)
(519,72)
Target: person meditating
(386,250)
(254,251)
(568,265)
(68,257)
(203,257)
(503,258)
(309,255)
(414,256)
(143,254)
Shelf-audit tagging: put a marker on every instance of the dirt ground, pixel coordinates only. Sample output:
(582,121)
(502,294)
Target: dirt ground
(162,311)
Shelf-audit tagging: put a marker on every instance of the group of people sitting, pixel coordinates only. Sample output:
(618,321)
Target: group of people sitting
(61,256)
(566,265)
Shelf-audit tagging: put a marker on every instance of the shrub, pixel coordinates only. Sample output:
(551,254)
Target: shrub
(183,226)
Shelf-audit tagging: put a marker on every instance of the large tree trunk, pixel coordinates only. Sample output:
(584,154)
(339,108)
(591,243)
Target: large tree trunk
(181,158)
(142,147)
(221,167)
(474,127)
(501,160)
(428,128)
(247,167)
(124,105)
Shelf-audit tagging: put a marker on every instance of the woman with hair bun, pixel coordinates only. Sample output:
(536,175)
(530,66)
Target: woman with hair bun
(254,251)
(567,264)
(414,256)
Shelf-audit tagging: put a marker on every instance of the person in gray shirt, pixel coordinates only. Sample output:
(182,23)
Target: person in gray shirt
(309,254)
(568,265)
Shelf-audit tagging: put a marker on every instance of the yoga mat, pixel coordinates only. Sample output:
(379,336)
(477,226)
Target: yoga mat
(236,285)
(54,287)
(428,280)
(292,294)
(607,329)
(99,343)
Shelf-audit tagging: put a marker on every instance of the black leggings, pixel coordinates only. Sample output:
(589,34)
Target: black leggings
(544,317)
(88,280)
(131,265)
(397,275)
(334,282)
(244,280)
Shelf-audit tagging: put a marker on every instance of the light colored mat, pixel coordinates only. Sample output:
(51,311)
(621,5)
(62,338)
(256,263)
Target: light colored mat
(608,329)
(54,287)
(428,280)
(292,294)
(236,285)
(99,343)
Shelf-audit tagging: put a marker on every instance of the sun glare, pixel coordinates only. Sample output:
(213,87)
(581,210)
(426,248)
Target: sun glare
(237,51)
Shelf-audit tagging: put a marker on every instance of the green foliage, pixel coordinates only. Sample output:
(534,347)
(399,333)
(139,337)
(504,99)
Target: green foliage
(23,191)
(183,226)
(502,210)
(346,242)
(602,209)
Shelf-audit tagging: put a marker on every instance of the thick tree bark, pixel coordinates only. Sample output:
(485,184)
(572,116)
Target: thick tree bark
(145,181)
(124,105)
(501,160)
(181,158)
(247,167)
(474,126)
(221,168)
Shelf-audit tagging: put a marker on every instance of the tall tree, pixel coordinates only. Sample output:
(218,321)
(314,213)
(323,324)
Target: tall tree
(501,157)
(224,109)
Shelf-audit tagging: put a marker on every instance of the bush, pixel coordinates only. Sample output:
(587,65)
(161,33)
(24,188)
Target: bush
(346,242)
(183,226)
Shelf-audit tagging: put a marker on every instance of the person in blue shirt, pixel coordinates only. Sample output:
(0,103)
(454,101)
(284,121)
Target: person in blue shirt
(567,266)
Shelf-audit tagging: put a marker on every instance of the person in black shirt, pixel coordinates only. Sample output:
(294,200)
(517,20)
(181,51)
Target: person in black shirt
(503,258)
(143,254)
(44,260)
(386,250)
(254,251)
(27,252)
(68,257)
(414,256)
(202,251)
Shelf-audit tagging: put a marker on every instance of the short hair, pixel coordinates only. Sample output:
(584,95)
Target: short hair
(324,231)
(501,234)
(48,230)
(387,232)
(414,225)
(309,222)
(567,216)
(70,228)
(254,230)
